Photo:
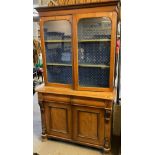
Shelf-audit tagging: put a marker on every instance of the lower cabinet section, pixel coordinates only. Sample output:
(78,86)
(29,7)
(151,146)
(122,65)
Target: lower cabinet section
(88,124)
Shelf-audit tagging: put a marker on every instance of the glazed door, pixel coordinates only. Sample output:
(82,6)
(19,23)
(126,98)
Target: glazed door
(58,119)
(95,51)
(56,40)
(88,125)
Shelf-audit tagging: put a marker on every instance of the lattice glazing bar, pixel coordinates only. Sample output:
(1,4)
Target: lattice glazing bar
(94,77)
(59,74)
(58,52)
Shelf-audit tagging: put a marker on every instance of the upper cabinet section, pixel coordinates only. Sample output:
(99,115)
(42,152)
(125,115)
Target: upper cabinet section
(58,51)
(78,45)
(94,40)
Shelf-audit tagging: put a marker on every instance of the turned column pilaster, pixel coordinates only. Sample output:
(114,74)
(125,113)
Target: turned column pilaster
(43,119)
(107,129)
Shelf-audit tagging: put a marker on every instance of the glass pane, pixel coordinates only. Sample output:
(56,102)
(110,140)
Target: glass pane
(94,39)
(59,74)
(57,36)
(95,77)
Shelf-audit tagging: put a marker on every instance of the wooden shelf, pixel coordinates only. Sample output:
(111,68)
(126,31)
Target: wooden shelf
(95,40)
(90,65)
(61,41)
(106,21)
(103,21)
(58,64)
(80,65)
(57,41)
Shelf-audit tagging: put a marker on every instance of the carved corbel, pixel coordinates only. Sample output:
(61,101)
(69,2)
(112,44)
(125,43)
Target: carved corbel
(107,114)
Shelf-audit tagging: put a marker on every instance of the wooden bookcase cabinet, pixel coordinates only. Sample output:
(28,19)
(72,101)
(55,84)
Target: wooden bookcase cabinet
(76,101)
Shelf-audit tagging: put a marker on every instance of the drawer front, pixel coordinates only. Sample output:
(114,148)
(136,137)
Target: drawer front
(58,119)
(89,102)
(88,125)
(56,98)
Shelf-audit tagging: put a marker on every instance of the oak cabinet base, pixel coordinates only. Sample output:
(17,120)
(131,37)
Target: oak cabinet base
(81,120)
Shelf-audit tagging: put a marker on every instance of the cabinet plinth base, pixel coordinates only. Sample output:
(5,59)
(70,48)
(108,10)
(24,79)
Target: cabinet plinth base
(44,138)
(51,137)
(107,150)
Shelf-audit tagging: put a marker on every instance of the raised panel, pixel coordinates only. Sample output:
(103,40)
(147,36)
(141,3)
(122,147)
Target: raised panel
(88,124)
(58,119)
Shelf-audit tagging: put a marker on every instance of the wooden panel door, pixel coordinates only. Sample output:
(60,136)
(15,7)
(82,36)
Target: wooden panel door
(88,125)
(58,120)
